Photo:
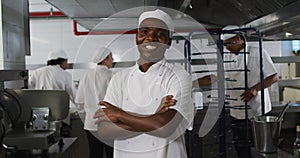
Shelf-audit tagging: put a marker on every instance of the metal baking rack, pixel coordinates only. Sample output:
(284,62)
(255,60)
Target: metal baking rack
(222,100)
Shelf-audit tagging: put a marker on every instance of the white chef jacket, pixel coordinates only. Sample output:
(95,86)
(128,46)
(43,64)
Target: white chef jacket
(91,90)
(253,64)
(52,77)
(141,92)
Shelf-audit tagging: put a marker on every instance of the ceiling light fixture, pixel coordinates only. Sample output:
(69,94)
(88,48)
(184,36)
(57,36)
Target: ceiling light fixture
(287,34)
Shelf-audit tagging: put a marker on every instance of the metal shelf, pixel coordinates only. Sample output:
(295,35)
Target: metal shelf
(295,83)
(286,59)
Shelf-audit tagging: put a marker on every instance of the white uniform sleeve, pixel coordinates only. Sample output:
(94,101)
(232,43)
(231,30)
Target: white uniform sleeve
(269,68)
(113,93)
(69,87)
(180,88)
(31,80)
(80,92)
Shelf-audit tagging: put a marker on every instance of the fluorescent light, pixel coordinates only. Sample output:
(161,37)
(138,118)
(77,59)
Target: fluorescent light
(285,23)
(287,34)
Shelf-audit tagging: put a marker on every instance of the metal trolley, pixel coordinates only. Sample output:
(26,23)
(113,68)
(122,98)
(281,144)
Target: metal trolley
(222,99)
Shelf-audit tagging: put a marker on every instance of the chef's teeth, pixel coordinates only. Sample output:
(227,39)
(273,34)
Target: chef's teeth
(150,47)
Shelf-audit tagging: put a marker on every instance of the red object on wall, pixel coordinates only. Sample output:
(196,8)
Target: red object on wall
(46,14)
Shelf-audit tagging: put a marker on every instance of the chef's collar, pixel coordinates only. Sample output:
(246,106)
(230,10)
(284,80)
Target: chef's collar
(155,66)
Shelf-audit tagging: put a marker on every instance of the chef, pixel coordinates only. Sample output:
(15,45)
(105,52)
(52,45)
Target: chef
(235,44)
(91,90)
(148,107)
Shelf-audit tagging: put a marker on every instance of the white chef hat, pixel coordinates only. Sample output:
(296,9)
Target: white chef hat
(100,54)
(160,15)
(229,35)
(55,54)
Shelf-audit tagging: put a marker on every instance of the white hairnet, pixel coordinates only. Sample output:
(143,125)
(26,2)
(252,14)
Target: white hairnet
(160,15)
(100,54)
(55,54)
(229,27)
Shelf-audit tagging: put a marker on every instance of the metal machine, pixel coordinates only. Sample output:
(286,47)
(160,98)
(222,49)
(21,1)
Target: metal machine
(30,119)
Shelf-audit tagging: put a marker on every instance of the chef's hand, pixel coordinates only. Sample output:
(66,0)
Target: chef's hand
(166,102)
(248,94)
(108,112)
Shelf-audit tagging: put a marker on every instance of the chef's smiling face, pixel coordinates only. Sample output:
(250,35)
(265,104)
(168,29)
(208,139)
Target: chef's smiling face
(152,40)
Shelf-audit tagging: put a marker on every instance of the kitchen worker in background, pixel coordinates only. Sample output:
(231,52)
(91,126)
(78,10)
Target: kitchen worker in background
(148,107)
(91,90)
(55,77)
(235,44)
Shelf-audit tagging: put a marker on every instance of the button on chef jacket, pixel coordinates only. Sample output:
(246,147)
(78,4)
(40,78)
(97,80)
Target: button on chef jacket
(141,92)
(91,90)
(253,64)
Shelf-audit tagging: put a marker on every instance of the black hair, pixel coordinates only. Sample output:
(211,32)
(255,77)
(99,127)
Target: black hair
(57,61)
(103,60)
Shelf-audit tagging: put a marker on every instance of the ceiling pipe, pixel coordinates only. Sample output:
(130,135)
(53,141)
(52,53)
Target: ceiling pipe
(79,33)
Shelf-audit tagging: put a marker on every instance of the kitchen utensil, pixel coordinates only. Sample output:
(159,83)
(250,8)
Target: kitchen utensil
(279,118)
